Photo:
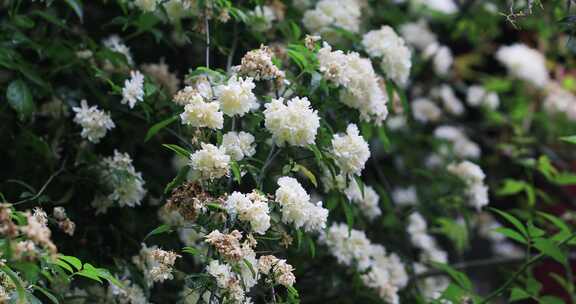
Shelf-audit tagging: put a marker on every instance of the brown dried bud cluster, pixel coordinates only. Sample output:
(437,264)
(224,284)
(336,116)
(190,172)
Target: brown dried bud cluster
(258,65)
(280,271)
(310,41)
(228,245)
(7,226)
(190,200)
(64,223)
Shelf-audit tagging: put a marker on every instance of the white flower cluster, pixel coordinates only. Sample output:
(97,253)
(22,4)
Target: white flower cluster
(293,122)
(368,203)
(198,112)
(356,74)
(451,103)
(258,65)
(146,5)
(396,56)
(236,97)
(405,196)
(479,96)
(350,150)
(116,44)
(95,123)
(443,6)
(239,144)
(418,34)
(462,146)
(418,230)
(442,58)
(559,100)
(210,162)
(384,273)
(252,208)
(297,208)
(501,246)
(133,90)
(130,294)
(278,269)
(343,14)
(473,176)
(121,178)
(524,63)
(262,18)
(424,110)
(160,73)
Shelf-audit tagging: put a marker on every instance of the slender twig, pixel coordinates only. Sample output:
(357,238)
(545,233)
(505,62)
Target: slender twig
(230,58)
(520,271)
(39,193)
(271,155)
(207,30)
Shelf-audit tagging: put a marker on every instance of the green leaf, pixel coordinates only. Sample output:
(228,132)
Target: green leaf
(74,261)
(76,5)
(456,232)
(384,139)
(20,291)
(20,99)
(511,234)
(360,184)
(46,293)
(569,139)
(348,213)
(179,150)
(89,274)
(518,294)
(514,221)
(511,186)
(64,265)
(307,173)
(459,277)
(159,126)
(158,230)
(549,248)
(191,250)
(236,171)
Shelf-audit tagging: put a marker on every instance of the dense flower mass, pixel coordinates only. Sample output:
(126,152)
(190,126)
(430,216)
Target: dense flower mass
(303,151)
(293,122)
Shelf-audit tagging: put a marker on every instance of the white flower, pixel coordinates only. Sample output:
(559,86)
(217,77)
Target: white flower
(463,147)
(295,122)
(95,123)
(425,110)
(368,203)
(417,228)
(133,90)
(560,101)
(356,74)
(351,151)
(451,103)
(201,114)
(477,96)
(210,162)
(405,196)
(252,209)
(418,34)
(146,5)
(396,57)
(236,97)
(120,176)
(442,6)
(116,44)
(344,14)
(442,58)
(473,176)
(238,144)
(177,9)
(297,208)
(221,272)
(524,63)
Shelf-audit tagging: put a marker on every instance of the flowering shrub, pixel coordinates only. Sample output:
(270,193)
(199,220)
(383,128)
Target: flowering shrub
(349,151)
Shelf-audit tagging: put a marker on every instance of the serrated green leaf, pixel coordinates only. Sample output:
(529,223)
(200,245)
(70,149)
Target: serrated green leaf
(551,249)
(511,234)
(513,220)
(179,150)
(518,294)
(569,139)
(459,277)
(181,177)
(74,261)
(307,173)
(236,172)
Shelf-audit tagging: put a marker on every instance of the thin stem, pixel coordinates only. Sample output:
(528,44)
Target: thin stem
(207,30)
(233,48)
(520,271)
(271,155)
(39,193)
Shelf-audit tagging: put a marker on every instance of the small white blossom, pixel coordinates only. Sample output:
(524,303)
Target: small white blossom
(294,122)
(250,208)
(133,90)
(367,203)
(344,14)
(405,196)
(95,123)
(201,114)
(351,151)
(210,162)
(396,56)
(297,208)
(425,110)
(116,44)
(473,176)
(146,5)
(451,103)
(236,97)
(477,96)
(524,63)
(238,144)
(418,34)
